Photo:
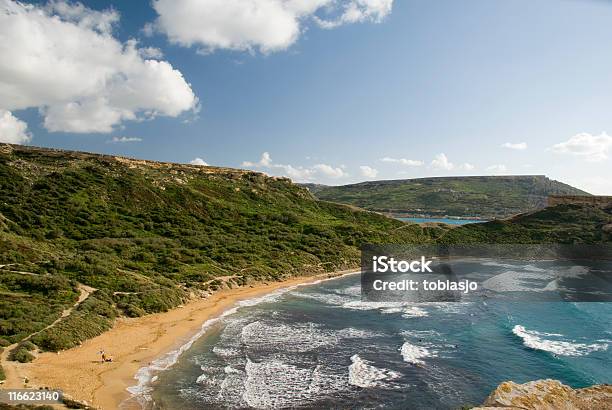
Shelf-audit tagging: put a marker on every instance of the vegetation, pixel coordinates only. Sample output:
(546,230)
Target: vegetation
(563,224)
(480,196)
(149,235)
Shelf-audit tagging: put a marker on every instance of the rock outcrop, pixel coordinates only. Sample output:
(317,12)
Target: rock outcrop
(548,395)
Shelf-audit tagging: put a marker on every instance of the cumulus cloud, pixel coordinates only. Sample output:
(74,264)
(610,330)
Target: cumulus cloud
(593,148)
(329,171)
(441,162)
(13,130)
(403,161)
(264,25)
(198,161)
(359,11)
(498,169)
(298,173)
(517,146)
(265,161)
(368,171)
(63,59)
(123,140)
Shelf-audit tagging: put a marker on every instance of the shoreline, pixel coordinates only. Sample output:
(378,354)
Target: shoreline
(135,343)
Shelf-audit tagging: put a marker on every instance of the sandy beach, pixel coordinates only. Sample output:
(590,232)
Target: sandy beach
(132,343)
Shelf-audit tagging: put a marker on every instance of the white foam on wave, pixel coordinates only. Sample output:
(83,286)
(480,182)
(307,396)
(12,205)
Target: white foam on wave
(535,340)
(144,375)
(298,337)
(276,384)
(407,310)
(353,333)
(226,352)
(141,391)
(414,354)
(363,374)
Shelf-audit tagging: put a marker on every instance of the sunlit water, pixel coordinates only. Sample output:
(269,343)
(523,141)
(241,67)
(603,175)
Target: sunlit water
(449,221)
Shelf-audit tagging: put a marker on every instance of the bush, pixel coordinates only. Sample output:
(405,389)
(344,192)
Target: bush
(21,354)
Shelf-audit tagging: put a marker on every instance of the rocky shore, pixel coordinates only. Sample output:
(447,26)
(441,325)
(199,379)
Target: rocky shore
(548,395)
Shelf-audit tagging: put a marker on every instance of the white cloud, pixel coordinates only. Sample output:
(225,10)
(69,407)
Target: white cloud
(403,161)
(64,60)
(298,173)
(198,161)
(265,161)
(368,171)
(151,52)
(441,161)
(123,140)
(329,171)
(12,129)
(517,146)
(593,148)
(264,25)
(596,185)
(466,167)
(358,11)
(497,169)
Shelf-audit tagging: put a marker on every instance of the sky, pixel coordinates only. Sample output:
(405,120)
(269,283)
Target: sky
(325,91)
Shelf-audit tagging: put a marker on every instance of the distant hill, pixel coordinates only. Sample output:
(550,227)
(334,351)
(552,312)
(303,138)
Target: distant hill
(561,224)
(473,196)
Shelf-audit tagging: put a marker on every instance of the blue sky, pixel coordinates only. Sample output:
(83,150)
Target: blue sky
(425,88)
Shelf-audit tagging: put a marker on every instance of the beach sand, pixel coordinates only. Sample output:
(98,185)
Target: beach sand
(132,343)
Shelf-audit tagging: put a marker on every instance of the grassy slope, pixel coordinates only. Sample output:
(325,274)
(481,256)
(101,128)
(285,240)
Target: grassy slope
(149,234)
(565,224)
(488,197)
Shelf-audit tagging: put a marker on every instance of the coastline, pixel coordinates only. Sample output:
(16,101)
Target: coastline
(134,343)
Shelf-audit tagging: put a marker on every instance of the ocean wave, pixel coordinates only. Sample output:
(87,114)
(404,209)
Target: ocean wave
(413,353)
(141,391)
(226,351)
(353,333)
(299,337)
(275,384)
(535,340)
(363,374)
(407,310)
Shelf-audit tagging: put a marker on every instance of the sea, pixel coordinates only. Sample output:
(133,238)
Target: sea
(450,221)
(321,346)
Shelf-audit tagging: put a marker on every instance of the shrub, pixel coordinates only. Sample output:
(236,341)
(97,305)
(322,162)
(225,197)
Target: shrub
(21,354)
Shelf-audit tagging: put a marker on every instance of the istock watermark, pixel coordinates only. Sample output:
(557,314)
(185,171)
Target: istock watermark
(409,273)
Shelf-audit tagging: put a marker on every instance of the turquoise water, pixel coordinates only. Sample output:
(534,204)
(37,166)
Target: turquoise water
(320,346)
(443,220)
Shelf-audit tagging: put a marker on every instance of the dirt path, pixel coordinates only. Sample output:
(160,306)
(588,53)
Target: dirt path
(14,371)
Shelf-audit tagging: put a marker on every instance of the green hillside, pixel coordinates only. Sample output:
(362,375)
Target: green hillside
(131,237)
(479,196)
(148,235)
(564,224)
